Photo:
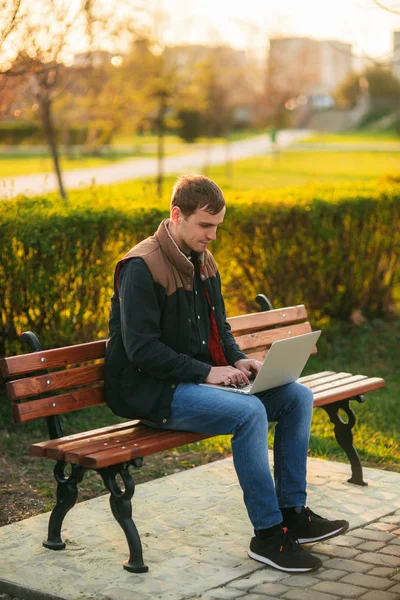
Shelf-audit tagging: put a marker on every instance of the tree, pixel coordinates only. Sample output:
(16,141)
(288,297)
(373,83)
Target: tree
(42,40)
(382,87)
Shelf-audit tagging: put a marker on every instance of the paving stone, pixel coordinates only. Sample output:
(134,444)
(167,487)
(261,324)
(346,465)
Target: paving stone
(379,595)
(273,589)
(367,581)
(345,590)
(395,589)
(392,549)
(346,540)
(374,536)
(393,518)
(330,574)
(260,576)
(380,559)
(222,594)
(396,540)
(346,565)
(259,597)
(370,546)
(334,550)
(381,571)
(124,594)
(308,595)
(301,581)
(382,526)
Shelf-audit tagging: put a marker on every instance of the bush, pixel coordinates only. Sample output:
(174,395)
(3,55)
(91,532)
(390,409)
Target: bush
(15,133)
(335,249)
(190,125)
(332,248)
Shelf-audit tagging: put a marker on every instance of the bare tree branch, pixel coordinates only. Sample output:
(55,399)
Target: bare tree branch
(394,11)
(11,19)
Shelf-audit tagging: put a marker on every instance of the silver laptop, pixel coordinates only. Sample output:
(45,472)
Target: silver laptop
(283,364)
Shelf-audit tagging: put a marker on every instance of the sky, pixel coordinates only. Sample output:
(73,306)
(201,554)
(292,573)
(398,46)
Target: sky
(244,24)
(248,23)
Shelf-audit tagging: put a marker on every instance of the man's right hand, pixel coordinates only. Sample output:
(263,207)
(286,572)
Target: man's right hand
(226,376)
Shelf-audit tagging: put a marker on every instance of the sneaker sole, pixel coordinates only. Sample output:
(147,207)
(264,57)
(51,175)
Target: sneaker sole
(327,536)
(269,562)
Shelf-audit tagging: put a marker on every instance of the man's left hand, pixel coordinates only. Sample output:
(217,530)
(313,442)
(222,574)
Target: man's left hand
(248,366)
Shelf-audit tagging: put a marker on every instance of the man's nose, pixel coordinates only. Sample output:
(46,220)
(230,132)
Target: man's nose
(212,235)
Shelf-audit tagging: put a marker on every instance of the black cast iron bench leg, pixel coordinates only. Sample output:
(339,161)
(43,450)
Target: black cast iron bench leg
(67,494)
(344,435)
(121,507)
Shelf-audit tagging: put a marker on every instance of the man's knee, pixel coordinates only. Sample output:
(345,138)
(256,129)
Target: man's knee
(254,409)
(302,395)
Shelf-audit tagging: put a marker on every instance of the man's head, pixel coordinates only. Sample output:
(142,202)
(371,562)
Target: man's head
(196,191)
(197,209)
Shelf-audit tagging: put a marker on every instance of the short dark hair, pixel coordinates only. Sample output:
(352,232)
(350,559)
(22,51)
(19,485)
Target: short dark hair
(191,192)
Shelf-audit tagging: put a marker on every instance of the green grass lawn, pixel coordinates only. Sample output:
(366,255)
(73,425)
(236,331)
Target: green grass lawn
(267,172)
(304,168)
(352,137)
(12,165)
(29,161)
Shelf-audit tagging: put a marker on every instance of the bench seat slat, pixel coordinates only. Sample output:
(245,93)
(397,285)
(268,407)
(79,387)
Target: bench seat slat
(166,439)
(348,391)
(73,451)
(57,405)
(326,379)
(40,448)
(262,339)
(68,378)
(307,378)
(53,359)
(265,319)
(337,383)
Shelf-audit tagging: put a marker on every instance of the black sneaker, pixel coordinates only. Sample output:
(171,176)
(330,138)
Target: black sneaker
(309,527)
(282,551)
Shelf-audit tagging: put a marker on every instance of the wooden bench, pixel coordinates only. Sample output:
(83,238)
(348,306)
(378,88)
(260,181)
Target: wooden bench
(48,383)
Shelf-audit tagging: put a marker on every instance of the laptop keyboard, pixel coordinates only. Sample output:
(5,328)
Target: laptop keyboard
(243,387)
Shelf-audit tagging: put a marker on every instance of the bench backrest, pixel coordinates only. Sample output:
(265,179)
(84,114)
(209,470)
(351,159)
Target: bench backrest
(52,382)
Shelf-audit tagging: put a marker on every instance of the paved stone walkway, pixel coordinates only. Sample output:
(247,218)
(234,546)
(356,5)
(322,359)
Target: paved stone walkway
(195,535)
(136,168)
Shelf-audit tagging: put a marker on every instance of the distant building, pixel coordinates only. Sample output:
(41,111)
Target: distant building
(308,66)
(92,59)
(396,54)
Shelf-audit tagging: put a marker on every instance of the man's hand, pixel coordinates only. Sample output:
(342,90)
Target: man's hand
(226,376)
(248,366)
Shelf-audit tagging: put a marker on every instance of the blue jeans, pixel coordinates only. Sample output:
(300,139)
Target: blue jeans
(209,410)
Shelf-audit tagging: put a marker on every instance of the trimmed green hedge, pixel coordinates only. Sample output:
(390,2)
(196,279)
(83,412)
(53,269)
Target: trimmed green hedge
(334,248)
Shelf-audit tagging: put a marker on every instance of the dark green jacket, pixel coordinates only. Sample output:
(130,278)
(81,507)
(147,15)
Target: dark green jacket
(148,346)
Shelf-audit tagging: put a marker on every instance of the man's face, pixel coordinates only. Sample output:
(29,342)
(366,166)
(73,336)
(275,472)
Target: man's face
(196,231)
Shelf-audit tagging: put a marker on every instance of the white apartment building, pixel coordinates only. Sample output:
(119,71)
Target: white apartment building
(308,66)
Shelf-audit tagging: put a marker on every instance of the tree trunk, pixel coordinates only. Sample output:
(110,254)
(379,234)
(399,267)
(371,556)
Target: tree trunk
(160,145)
(228,157)
(47,119)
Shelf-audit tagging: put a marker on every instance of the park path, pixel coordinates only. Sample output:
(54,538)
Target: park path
(195,534)
(137,168)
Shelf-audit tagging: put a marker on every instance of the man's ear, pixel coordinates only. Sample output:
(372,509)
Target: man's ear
(176,214)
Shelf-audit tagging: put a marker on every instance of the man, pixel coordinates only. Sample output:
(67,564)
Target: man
(168,333)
